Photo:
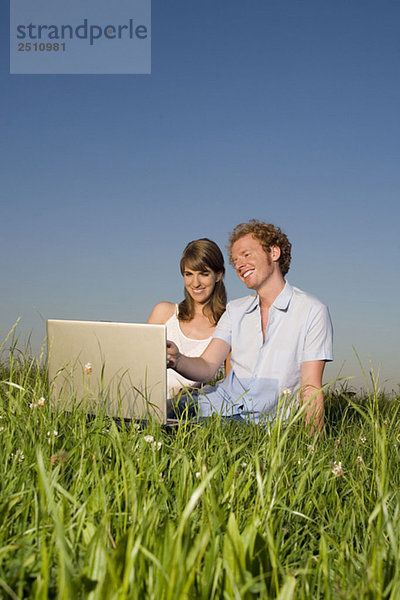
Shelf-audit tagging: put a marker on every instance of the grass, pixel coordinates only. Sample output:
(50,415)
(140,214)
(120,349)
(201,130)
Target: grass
(90,510)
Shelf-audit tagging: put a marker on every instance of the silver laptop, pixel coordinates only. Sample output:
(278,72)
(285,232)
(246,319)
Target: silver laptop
(118,368)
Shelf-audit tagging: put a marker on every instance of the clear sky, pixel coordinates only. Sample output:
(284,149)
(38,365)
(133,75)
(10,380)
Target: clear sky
(282,110)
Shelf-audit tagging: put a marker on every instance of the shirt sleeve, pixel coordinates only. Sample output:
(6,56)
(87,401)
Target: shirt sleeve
(318,344)
(223,330)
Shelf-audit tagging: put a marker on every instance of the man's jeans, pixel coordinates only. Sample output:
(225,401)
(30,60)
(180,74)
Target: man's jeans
(186,405)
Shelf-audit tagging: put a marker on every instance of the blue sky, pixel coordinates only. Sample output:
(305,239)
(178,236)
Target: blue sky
(285,111)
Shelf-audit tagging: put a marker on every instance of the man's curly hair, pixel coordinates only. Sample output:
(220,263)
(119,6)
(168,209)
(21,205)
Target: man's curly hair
(268,235)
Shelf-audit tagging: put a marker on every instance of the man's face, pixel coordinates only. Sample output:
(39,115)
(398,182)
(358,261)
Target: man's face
(253,265)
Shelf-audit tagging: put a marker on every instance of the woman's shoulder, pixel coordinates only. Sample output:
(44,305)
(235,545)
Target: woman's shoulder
(162,312)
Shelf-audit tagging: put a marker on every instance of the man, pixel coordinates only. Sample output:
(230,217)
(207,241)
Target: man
(279,338)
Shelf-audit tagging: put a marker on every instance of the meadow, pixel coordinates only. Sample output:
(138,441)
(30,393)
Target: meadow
(90,509)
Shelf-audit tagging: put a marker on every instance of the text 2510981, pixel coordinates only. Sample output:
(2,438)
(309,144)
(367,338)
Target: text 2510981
(41,47)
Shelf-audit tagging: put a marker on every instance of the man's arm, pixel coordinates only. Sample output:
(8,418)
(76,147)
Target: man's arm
(311,382)
(201,368)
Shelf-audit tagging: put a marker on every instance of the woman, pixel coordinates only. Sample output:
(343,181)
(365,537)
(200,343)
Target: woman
(191,323)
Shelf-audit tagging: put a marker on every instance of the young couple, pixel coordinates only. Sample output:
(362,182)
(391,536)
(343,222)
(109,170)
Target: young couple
(278,338)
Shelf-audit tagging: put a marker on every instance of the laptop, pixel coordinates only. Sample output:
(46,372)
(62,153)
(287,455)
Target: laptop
(117,368)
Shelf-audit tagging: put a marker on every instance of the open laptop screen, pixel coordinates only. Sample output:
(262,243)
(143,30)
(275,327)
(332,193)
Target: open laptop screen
(119,368)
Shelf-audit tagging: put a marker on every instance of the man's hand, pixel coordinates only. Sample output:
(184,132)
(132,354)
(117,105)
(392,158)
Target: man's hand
(201,368)
(173,354)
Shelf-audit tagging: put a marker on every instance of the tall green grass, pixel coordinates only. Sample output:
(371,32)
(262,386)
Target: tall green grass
(92,510)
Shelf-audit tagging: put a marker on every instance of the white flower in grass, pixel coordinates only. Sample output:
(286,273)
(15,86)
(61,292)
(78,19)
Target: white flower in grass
(363,439)
(88,368)
(200,474)
(19,455)
(287,392)
(337,469)
(148,438)
(40,402)
(359,460)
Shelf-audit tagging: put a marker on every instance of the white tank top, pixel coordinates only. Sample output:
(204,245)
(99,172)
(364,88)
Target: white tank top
(188,347)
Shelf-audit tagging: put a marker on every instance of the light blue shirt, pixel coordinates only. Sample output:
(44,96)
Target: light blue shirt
(299,329)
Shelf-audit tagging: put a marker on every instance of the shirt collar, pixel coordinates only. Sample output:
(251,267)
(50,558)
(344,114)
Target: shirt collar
(281,302)
(253,303)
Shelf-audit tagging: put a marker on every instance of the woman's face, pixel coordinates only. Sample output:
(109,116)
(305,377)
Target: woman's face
(200,284)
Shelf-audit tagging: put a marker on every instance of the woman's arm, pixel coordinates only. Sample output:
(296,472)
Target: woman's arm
(161,313)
